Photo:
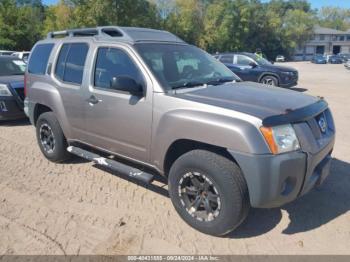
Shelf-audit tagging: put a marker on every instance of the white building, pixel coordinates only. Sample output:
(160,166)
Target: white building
(324,41)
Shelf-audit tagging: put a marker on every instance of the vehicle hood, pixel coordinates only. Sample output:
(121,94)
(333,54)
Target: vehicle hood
(250,98)
(278,68)
(16,81)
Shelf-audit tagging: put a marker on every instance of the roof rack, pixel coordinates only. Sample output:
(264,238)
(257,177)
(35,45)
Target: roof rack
(130,34)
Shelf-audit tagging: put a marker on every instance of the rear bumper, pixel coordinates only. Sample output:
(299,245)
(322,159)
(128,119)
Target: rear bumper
(9,109)
(274,180)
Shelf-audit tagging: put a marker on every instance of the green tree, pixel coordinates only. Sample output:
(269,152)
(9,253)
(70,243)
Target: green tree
(335,17)
(20,24)
(186,20)
(58,17)
(114,12)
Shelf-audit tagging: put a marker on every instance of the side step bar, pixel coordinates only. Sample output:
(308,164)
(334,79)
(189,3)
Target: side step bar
(112,164)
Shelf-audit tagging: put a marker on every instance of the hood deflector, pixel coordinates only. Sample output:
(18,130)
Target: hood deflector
(297,115)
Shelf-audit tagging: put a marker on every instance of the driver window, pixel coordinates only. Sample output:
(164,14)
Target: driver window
(244,60)
(113,62)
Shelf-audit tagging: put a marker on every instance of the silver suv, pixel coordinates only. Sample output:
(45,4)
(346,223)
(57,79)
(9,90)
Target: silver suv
(143,102)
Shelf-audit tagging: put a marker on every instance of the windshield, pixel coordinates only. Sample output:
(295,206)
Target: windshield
(177,66)
(10,67)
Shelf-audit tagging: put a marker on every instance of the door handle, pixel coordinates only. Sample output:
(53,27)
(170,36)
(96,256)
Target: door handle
(92,100)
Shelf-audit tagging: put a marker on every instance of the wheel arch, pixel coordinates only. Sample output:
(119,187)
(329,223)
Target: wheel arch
(39,109)
(182,146)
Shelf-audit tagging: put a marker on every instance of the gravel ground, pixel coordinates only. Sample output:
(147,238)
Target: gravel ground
(76,208)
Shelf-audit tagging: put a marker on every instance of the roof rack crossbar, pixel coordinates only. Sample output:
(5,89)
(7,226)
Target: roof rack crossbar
(107,31)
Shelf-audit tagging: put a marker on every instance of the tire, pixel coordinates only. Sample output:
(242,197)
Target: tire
(227,182)
(269,80)
(47,122)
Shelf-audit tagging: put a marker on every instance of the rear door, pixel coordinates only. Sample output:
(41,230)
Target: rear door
(69,75)
(115,120)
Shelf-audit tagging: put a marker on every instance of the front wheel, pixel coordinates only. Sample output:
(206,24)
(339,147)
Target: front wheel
(209,192)
(269,80)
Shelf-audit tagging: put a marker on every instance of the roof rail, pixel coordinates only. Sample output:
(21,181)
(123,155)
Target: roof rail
(74,32)
(131,34)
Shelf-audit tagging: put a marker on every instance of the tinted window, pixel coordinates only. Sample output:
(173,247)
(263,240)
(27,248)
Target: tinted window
(39,59)
(226,59)
(60,65)
(10,67)
(71,61)
(112,62)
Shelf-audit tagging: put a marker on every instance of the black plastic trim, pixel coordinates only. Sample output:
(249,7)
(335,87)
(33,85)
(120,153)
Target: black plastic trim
(297,115)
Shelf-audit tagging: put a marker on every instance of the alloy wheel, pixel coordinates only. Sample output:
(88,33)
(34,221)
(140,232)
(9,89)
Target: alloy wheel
(199,196)
(47,138)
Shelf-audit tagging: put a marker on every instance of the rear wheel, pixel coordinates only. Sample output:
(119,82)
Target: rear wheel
(269,80)
(209,192)
(51,139)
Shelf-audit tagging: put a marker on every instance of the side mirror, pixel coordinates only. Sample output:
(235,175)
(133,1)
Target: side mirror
(253,65)
(127,84)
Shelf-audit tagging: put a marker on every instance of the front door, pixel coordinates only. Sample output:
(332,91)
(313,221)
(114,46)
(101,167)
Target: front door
(116,120)
(246,72)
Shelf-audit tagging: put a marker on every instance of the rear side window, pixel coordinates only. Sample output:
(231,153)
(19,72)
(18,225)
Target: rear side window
(226,59)
(71,62)
(39,59)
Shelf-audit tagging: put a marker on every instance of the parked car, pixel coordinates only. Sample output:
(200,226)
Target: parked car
(250,67)
(319,59)
(280,58)
(344,56)
(142,102)
(22,55)
(11,88)
(334,59)
(347,65)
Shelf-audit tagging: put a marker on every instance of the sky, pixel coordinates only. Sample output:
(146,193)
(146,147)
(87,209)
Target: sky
(314,3)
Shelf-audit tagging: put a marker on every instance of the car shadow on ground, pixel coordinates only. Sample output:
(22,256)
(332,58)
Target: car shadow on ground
(18,122)
(309,212)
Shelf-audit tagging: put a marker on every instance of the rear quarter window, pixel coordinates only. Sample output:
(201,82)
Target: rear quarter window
(39,59)
(71,61)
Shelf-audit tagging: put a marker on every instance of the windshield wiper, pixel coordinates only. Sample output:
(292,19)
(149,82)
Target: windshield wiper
(219,81)
(188,85)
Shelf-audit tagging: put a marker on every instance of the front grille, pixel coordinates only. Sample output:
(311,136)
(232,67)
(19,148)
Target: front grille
(20,93)
(321,125)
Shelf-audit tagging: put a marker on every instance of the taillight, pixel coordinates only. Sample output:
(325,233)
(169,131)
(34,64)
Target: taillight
(25,84)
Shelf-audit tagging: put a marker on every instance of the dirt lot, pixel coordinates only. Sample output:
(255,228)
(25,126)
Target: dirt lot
(77,208)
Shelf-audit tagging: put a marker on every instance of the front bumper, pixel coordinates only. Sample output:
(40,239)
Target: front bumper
(289,81)
(274,180)
(10,109)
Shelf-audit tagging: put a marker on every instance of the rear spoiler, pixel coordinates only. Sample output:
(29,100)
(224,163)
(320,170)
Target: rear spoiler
(298,115)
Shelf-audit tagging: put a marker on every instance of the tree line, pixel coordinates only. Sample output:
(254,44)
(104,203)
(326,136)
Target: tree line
(276,26)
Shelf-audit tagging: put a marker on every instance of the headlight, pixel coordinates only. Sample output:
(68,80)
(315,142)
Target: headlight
(4,91)
(281,139)
(288,73)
